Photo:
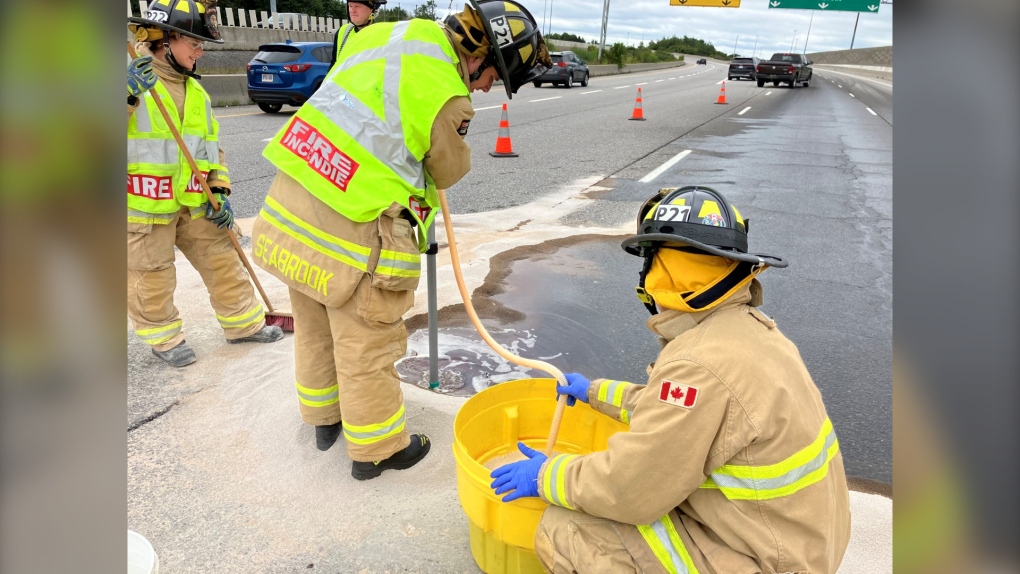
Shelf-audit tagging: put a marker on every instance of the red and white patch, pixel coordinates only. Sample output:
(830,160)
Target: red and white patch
(422,211)
(679,395)
(150,186)
(322,156)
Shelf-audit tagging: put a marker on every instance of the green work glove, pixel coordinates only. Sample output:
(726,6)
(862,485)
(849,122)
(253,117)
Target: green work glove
(225,216)
(140,76)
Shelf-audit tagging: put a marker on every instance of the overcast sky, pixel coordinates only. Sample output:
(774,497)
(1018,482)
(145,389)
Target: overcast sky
(630,21)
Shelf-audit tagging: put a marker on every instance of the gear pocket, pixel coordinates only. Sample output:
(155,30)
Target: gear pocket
(382,305)
(399,267)
(138,247)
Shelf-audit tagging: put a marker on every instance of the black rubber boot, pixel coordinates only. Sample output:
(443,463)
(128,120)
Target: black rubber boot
(267,334)
(410,456)
(326,435)
(179,356)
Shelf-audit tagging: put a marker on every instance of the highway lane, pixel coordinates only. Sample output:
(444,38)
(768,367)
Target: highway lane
(810,167)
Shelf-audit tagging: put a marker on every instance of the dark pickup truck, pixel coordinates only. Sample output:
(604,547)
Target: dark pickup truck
(784,67)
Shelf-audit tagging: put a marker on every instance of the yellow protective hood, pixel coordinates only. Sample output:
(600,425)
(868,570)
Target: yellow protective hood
(471,36)
(693,282)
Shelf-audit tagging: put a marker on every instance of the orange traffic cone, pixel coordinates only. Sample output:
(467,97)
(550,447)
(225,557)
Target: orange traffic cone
(639,112)
(504,147)
(722,94)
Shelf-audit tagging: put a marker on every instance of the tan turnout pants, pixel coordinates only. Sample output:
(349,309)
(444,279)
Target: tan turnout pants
(344,363)
(152,279)
(569,542)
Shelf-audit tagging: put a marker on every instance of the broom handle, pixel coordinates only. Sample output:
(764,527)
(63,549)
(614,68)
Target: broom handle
(205,185)
(561,403)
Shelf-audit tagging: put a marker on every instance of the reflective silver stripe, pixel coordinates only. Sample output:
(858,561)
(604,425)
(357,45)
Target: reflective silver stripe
(165,151)
(383,138)
(199,211)
(728,481)
(378,433)
(660,532)
(320,398)
(143,123)
(394,263)
(165,216)
(335,247)
(559,498)
(208,114)
(611,393)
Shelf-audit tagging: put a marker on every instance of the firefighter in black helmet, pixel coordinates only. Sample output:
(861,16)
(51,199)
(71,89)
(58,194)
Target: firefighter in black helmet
(729,453)
(361,13)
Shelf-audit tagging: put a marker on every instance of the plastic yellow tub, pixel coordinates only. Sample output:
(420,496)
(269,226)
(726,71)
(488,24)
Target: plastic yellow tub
(489,425)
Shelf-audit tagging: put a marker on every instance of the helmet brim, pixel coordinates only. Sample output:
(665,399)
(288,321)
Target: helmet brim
(629,245)
(137,20)
(504,74)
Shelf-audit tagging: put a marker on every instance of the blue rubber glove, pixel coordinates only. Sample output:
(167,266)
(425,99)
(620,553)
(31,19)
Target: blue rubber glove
(140,76)
(521,477)
(225,216)
(576,389)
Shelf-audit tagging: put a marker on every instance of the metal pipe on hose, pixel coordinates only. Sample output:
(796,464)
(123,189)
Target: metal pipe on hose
(561,404)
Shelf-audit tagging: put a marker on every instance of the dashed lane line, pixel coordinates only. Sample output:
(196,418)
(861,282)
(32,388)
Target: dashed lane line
(669,163)
(872,111)
(743,111)
(591,92)
(544,99)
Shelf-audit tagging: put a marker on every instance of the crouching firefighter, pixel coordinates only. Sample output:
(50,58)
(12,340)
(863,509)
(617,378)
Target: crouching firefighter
(731,464)
(359,165)
(165,202)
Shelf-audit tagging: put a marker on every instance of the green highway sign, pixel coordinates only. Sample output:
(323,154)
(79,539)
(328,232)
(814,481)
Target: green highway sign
(869,6)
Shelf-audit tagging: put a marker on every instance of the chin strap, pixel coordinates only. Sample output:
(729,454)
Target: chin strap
(642,295)
(176,66)
(478,73)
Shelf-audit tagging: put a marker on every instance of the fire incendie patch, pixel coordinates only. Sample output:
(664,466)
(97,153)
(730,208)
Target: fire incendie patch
(678,395)
(462,130)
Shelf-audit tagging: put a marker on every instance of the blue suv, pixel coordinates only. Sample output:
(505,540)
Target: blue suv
(287,73)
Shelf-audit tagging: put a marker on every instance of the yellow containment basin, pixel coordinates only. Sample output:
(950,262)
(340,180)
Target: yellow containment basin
(489,425)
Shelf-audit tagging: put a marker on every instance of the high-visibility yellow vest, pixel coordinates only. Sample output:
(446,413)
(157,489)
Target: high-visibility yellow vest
(358,143)
(159,178)
(342,37)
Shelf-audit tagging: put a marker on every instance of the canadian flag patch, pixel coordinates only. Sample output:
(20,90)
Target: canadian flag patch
(677,394)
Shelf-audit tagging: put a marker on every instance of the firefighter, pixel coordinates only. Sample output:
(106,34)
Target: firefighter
(730,463)
(359,165)
(361,13)
(165,202)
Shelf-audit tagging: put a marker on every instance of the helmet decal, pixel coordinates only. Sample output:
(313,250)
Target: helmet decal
(501,28)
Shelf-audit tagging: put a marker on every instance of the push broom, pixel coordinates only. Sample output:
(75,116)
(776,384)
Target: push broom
(561,403)
(284,321)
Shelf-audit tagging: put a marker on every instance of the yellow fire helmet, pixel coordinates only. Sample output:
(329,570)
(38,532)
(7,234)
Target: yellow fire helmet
(694,243)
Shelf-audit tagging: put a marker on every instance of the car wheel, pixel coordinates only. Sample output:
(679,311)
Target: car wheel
(761,83)
(584,82)
(793,82)
(775,83)
(538,84)
(270,108)
(806,84)
(570,81)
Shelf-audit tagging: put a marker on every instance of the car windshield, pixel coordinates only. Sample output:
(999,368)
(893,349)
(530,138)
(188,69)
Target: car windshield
(274,55)
(556,58)
(742,60)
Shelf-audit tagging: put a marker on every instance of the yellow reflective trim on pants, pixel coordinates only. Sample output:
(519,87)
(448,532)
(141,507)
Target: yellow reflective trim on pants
(343,251)
(159,335)
(142,217)
(667,546)
(368,434)
(240,322)
(318,397)
(554,481)
(806,467)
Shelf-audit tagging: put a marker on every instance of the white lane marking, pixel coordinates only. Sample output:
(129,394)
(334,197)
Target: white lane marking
(657,81)
(267,139)
(839,86)
(591,92)
(768,92)
(743,111)
(872,111)
(544,99)
(621,87)
(658,171)
(866,79)
(851,95)
(673,78)
(488,108)
(641,84)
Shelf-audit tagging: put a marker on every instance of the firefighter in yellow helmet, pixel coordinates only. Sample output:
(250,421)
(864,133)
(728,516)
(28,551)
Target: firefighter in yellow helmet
(730,463)
(166,204)
(361,13)
(359,165)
